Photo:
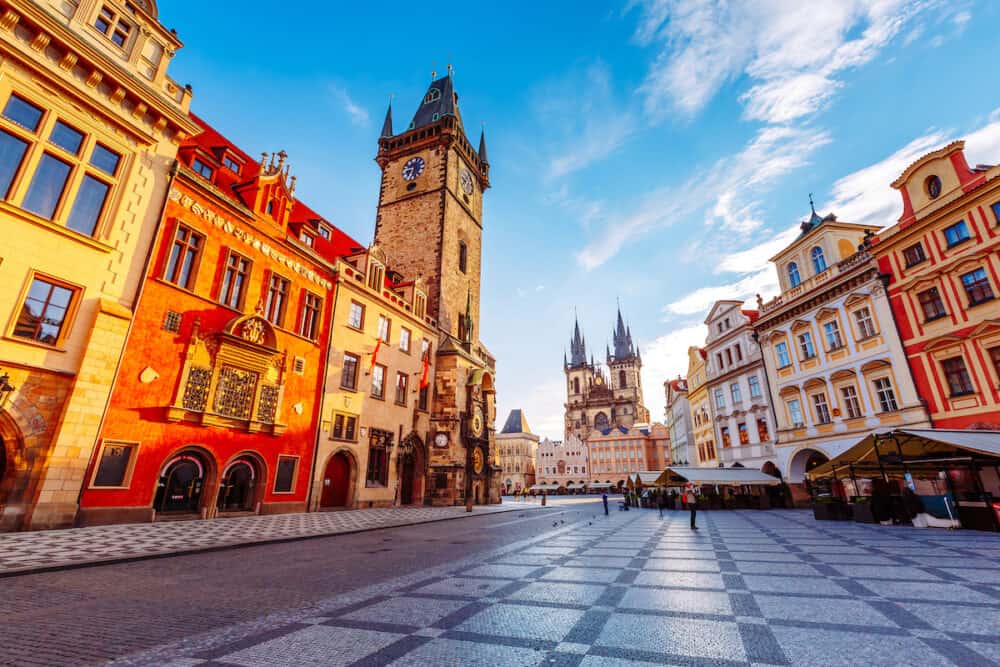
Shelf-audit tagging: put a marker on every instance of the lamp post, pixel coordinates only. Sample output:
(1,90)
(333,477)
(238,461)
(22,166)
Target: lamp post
(6,389)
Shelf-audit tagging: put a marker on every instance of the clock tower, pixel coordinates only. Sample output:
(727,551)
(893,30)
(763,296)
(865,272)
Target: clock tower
(429,224)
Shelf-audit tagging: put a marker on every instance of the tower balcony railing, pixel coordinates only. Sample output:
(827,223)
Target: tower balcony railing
(846,265)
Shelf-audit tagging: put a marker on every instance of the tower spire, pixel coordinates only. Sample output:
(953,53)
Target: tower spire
(482,146)
(387,123)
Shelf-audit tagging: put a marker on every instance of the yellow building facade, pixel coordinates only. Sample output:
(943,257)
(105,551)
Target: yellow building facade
(702,424)
(89,125)
(375,437)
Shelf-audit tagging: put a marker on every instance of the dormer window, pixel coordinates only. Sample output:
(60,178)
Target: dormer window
(375,274)
(231,164)
(433,95)
(325,232)
(112,26)
(203,169)
(793,275)
(306,238)
(818,260)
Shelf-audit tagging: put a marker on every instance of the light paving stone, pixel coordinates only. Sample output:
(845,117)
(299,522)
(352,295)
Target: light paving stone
(680,579)
(700,602)
(583,574)
(406,611)
(317,645)
(469,654)
(470,587)
(578,594)
(523,622)
(838,648)
(784,569)
(979,575)
(500,571)
(675,636)
(820,610)
(927,591)
(780,584)
(956,618)
(681,565)
(885,572)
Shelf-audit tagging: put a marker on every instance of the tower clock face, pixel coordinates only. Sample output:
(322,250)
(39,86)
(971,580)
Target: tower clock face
(413,168)
(478,460)
(477,422)
(466,178)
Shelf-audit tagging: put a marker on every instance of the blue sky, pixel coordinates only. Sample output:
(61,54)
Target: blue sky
(658,151)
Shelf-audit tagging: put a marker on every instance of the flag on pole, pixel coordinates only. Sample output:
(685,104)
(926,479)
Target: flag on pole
(378,344)
(425,369)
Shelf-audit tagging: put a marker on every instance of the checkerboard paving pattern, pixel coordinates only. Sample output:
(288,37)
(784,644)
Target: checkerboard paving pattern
(748,588)
(44,549)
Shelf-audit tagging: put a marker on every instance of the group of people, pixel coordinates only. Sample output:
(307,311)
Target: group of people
(689,497)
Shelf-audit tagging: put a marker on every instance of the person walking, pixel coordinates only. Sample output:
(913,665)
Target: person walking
(692,503)
(604,499)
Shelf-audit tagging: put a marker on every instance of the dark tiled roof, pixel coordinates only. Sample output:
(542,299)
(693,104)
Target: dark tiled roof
(516,423)
(440,100)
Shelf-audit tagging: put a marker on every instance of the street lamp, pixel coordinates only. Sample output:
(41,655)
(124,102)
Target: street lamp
(6,389)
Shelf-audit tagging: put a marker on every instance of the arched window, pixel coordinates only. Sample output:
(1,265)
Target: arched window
(576,385)
(622,379)
(793,274)
(601,421)
(463,254)
(819,262)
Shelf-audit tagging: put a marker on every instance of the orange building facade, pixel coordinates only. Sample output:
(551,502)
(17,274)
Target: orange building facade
(943,269)
(214,410)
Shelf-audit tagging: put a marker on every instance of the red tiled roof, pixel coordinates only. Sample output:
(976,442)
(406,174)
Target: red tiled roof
(211,141)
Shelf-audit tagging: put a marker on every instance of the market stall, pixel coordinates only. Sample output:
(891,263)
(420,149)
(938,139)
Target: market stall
(722,488)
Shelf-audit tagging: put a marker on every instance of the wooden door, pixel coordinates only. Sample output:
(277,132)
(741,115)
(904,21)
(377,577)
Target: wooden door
(336,482)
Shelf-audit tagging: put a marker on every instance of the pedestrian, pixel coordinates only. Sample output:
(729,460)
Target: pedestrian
(604,499)
(661,500)
(692,503)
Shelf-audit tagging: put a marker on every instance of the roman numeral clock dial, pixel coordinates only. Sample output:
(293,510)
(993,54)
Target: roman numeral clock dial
(413,168)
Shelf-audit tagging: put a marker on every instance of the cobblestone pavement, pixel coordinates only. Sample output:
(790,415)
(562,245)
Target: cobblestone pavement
(749,588)
(44,549)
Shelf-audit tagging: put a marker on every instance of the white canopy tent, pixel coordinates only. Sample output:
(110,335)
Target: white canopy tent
(544,487)
(680,476)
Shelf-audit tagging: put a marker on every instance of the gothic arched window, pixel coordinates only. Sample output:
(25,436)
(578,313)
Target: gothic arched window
(576,385)
(819,262)
(622,379)
(463,253)
(601,421)
(793,274)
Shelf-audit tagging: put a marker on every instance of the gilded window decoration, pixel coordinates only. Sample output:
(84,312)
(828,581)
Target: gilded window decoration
(267,409)
(196,389)
(235,393)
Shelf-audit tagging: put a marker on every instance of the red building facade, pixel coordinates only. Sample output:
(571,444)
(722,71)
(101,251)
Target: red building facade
(214,409)
(943,266)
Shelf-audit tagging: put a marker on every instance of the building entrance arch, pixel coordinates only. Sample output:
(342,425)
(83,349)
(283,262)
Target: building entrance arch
(411,483)
(802,462)
(182,481)
(337,481)
(239,484)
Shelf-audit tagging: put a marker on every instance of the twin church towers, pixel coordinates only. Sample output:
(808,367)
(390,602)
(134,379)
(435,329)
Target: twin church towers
(599,398)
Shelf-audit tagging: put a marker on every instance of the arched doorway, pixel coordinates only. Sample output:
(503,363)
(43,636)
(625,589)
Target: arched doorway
(802,462)
(336,481)
(181,483)
(775,494)
(238,486)
(411,483)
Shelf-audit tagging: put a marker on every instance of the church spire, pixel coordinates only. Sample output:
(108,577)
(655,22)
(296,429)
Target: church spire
(577,346)
(387,124)
(622,338)
(482,147)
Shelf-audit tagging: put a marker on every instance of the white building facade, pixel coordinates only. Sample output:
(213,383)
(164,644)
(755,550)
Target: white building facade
(562,462)
(737,389)
(678,421)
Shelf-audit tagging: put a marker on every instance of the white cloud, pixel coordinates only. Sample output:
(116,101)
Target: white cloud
(756,258)
(763,282)
(772,153)
(790,52)
(666,358)
(358,114)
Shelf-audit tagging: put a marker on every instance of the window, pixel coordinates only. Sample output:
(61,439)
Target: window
(795,412)
(793,275)
(744,433)
(866,327)
(22,112)
(349,374)
(47,186)
(234,280)
(402,382)
(277,299)
(203,169)
(806,345)
(182,264)
(957,375)
(956,233)
(356,316)
(762,430)
(832,332)
(818,260)
(886,396)
(622,379)
(44,312)
(422,395)
(754,383)
(822,409)
(404,339)
(383,328)
(378,381)
(379,444)
(914,255)
(309,318)
(112,26)
(284,477)
(113,468)
(724,432)
(718,359)
(851,403)
(932,304)
(344,427)
(325,232)
(995,359)
(734,389)
(12,151)
(463,256)
(375,273)
(739,352)
(781,350)
(234,394)
(720,399)
(231,164)
(419,305)
(977,287)
(307,239)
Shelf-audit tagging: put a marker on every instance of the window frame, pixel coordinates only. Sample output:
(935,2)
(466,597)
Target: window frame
(384,331)
(887,399)
(225,292)
(807,346)
(116,20)
(311,314)
(965,377)
(822,408)
(937,304)
(69,318)
(965,230)
(836,333)
(407,336)
(782,354)
(295,474)
(133,445)
(199,167)
(350,316)
(275,281)
(869,318)
(850,398)
(818,258)
(794,277)
(980,285)
(754,382)
(402,388)
(381,386)
(911,259)
(171,276)
(354,376)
